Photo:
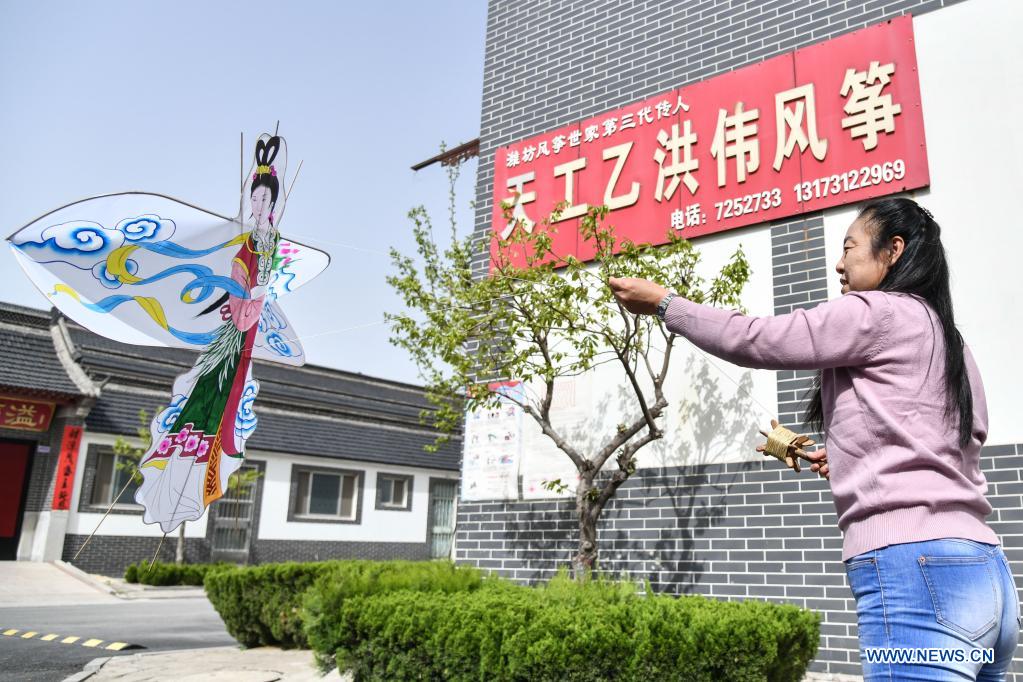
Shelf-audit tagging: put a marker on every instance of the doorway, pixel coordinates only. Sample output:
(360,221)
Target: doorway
(233,519)
(14,469)
(442,517)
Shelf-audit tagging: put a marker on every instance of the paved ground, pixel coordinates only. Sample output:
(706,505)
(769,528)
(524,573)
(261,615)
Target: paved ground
(55,619)
(227,663)
(56,622)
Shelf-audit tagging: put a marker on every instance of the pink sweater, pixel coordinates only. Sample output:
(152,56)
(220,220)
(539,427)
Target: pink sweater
(897,472)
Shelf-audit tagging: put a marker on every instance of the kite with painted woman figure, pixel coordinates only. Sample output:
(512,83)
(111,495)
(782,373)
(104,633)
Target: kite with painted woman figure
(147,269)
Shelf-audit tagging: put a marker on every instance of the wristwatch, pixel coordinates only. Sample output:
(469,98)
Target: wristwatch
(662,307)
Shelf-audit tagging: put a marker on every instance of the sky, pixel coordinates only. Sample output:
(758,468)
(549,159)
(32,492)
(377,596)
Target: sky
(114,96)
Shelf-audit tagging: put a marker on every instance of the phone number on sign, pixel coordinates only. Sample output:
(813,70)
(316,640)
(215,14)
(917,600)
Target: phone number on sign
(751,203)
(879,173)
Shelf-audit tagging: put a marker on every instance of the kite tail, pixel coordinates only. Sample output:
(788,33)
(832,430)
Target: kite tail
(185,469)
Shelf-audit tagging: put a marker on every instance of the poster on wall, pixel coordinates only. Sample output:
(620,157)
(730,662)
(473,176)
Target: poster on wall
(543,462)
(830,124)
(492,447)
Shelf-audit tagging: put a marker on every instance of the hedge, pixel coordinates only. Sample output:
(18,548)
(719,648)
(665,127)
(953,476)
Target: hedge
(170,574)
(262,605)
(328,595)
(569,631)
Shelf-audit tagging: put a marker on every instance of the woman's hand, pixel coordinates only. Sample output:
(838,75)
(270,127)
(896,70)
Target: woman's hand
(795,451)
(638,296)
(820,462)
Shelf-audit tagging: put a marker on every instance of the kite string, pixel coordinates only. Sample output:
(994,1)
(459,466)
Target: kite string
(103,518)
(705,355)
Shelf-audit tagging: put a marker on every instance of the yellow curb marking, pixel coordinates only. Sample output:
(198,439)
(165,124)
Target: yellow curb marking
(113,646)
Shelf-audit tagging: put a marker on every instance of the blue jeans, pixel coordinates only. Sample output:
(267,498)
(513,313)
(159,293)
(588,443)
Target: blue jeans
(951,594)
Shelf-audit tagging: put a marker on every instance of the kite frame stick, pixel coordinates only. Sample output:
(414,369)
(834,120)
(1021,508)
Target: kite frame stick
(158,548)
(241,169)
(107,513)
(118,194)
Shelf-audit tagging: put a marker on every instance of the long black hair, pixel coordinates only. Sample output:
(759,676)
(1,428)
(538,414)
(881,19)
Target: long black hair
(266,174)
(922,270)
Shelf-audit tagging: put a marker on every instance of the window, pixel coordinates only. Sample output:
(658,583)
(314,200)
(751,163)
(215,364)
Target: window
(326,495)
(394,492)
(112,475)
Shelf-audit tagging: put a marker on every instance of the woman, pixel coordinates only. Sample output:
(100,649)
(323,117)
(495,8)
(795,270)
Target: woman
(901,404)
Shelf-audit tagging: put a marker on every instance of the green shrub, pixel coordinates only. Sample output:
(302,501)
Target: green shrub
(569,631)
(170,574)
(260,604)
(323,602)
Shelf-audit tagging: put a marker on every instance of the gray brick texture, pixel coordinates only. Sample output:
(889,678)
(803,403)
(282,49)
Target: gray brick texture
(737,531)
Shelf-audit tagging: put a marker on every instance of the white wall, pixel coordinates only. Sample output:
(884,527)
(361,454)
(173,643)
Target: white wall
(80,523)
(971,89)
(377,525)
(730,402)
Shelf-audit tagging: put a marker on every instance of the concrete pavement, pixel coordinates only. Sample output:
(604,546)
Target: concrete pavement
(265,664)
(34,584)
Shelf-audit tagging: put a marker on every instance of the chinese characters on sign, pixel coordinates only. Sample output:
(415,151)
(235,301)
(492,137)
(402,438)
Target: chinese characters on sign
(27,415)
(830,124)
(65,480)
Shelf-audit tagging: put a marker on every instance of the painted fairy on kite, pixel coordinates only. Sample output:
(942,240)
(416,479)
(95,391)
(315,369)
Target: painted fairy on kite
(147,269)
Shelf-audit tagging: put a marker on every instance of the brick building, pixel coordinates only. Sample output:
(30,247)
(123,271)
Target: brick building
(718,518)
(343,471)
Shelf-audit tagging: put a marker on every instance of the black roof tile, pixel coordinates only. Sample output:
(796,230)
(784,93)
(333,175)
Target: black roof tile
(289,432)
(307,410)
(28,361)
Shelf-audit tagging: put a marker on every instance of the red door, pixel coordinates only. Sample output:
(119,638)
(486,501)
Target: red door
(13,475)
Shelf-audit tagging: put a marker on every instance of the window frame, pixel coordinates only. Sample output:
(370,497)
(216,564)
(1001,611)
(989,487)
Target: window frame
(127,505)
(408,480)
(297,516)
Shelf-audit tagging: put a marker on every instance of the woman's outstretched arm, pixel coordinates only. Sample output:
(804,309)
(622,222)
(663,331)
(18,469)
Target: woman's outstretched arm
(848,331)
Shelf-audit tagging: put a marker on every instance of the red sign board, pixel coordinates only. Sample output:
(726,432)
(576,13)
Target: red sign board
(65,481)
(27,415)
(834,123)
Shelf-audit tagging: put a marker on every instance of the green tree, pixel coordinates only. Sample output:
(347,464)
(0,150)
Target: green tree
(129,454)
(554,317)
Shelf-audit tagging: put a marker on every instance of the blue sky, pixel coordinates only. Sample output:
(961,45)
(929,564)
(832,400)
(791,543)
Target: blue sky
(112,96)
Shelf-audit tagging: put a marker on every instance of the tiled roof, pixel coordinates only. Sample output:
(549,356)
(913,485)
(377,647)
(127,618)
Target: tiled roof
(290,432)
(312,388)
(28,361)
(303,410)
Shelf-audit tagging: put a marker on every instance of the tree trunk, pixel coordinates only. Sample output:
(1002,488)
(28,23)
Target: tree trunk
(585,561)
(179,555)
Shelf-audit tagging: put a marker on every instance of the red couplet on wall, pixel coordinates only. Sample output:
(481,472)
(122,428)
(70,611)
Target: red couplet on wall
(65,480)
(831,124)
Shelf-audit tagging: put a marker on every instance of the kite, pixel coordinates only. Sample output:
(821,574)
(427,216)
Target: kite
(148,269)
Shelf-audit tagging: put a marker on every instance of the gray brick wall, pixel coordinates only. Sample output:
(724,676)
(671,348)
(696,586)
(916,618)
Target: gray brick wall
(549,63)
(735,531)
(799,276)
(44,465)
(310,550)
(111,554)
